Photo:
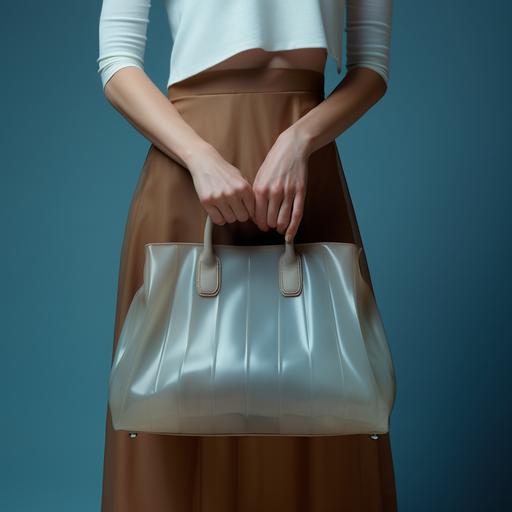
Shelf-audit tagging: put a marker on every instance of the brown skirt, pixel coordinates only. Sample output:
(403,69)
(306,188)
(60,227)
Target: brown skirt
(240,112)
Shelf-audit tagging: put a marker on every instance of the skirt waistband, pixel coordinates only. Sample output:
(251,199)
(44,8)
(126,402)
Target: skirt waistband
(225,81)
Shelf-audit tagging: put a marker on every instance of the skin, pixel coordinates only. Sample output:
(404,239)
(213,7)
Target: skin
(275,199)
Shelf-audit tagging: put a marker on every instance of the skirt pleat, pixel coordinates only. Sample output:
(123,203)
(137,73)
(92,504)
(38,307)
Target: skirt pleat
(240,112)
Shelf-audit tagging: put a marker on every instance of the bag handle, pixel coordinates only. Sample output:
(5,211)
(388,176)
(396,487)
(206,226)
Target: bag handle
(208,270)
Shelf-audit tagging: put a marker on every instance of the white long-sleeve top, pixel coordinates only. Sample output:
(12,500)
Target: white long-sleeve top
(205,32)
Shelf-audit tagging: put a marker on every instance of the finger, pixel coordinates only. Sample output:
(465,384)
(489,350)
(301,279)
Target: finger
(283,218)
(215,215)
(274,205)
(298,206)
(260,210)
(226,211)
(248,201)
(238,206)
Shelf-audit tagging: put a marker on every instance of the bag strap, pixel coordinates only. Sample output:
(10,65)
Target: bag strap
(208,271)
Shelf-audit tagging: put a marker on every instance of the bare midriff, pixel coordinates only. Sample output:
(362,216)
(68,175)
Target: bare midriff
(304,58)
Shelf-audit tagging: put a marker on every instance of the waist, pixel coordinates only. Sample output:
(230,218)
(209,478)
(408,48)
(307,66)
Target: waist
(246,80)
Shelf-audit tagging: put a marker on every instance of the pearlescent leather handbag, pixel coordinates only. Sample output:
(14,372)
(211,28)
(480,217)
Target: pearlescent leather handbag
(252,340)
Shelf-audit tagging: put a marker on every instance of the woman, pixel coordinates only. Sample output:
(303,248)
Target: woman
(246,136)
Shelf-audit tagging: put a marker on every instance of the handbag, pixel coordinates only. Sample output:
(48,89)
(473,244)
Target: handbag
(252,340)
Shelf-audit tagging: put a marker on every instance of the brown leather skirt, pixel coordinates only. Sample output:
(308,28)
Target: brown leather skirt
(240,112)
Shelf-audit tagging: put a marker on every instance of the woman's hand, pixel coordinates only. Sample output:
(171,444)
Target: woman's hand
(224,193)
(280,185)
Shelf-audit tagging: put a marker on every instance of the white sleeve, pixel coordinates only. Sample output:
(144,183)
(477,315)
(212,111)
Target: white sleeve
(122,35)
(369,35)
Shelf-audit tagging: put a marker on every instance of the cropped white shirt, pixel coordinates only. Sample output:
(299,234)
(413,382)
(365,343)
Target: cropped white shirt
(205,32)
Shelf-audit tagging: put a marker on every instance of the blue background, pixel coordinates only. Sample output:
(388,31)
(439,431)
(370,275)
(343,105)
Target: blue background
(430,175)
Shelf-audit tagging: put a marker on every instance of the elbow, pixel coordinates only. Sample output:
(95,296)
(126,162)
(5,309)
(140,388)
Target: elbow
(375,77)
(381,79)
(381,74)
(369,42)
(109,66)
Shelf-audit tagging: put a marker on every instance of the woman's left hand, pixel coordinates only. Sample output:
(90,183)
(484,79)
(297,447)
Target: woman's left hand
(280,185)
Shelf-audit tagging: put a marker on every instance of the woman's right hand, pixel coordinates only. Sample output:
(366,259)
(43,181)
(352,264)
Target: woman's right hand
(224,193)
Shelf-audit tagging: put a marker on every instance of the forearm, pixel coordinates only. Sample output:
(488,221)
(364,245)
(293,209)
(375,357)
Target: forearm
(138,99)
(359,90)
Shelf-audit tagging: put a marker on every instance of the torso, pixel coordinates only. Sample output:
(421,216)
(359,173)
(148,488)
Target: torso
(308,58)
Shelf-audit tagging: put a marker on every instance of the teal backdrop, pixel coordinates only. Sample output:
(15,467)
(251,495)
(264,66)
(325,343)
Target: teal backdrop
(429,169)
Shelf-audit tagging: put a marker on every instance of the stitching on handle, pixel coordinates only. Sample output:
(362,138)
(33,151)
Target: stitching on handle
(281,282)
(198,279)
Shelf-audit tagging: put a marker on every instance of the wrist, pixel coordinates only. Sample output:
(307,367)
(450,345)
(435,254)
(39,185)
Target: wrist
(199,150)
(302,139)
